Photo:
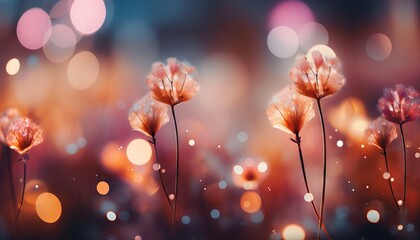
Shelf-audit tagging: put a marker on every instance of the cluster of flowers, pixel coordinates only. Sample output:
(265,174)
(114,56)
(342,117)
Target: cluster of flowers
(169,85)
(20,133)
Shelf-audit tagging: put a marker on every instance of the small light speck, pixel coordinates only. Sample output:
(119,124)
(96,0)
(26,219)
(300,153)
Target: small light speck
(186,130)
(417,155)
(400,227)
(400,202)
(330,137)
(218,146)
(185,219)
(36,186)
(348,181)
(340,143)
(364,157)
(362,146)
(352,189)
(222,184)
(215,214)
(120,148)
(336,130)
(205,189)
(191,142)
(171,196)
(111,216)
(367,186)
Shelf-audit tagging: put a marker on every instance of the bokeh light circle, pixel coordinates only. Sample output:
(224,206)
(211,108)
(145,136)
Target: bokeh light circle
(293,232)
(13,66)
(111,216)
(102,187)
(312,33)
(373,216)
(34,28)
(282,42)
(48,207)
(285,13)
(378,46)
(83,70)
(63,36)
(139,152)
(323,49)
(250,202)
(87,16)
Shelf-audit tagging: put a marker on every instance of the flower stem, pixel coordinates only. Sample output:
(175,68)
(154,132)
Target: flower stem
(176,167)
(11,182)
(25,157)
(405,171)
(389,179)
(324,174)
(298,141)
(160,172)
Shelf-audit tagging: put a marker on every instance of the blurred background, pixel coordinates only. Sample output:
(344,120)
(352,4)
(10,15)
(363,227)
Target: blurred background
(77,67)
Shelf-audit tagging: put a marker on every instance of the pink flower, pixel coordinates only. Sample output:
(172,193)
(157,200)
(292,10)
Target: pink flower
(5,120)
(318,78)
(380,133)
(400,105)
(289,111)
(172,84)
(23,134)
(148,116)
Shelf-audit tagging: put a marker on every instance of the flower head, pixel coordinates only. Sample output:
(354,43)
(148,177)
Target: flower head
(172,84)
(23,134)
(400,105)
(289,111)
(319,77)
(380,133)
(148,116)
(5,120)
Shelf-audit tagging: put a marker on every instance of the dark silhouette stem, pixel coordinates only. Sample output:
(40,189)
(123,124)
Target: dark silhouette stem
(389,179)
(160,172)
(405,173)
(324,173)
(302,164)
(176,168)
(24,158)
(11,182)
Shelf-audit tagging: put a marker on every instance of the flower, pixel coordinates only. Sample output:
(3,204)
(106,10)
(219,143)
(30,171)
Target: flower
(148,116)
(289,111)
(172,84)
(23,134)
(5,120)
(400,105)
(318,78)
(380,133)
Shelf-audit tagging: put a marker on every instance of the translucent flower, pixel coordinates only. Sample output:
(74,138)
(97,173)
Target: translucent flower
(289,111)
(23,134)
(5,120)
(172,84)
(318,78)
(400,105)
(148,116)
(381,132)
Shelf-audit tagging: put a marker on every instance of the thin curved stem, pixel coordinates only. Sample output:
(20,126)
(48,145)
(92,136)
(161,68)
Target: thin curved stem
(23,189)
(11,182)
(176,168)
(160,172)
(405,172)
(389,180)
(297,140)
(324,174)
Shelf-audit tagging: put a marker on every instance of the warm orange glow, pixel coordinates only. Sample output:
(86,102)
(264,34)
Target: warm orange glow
(48,207)
(250,202)
(102,187)
(139,151)
(113,157)
(83,70)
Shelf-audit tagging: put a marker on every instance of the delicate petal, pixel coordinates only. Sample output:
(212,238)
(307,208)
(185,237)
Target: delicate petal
(148,116)
(323,80)
(380,133)
(23,134)
(5,120)
(172,84)
(289,111)
(400,105)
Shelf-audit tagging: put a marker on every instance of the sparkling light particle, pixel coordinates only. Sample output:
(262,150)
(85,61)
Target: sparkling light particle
(378,47)
(102,187)
(400,227)
(386,175)
(191,142)
(282,42)
(139,151)
(417,155)
(262,167)
(309,197)
(34,28)
(238,169)
(111,216)
(156,166)
(48,207)
(83,70)
(400,202)
(340,143)
(250,202)
(171,196)
(13,66)
(373,216)
(293,232)
(88,16)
